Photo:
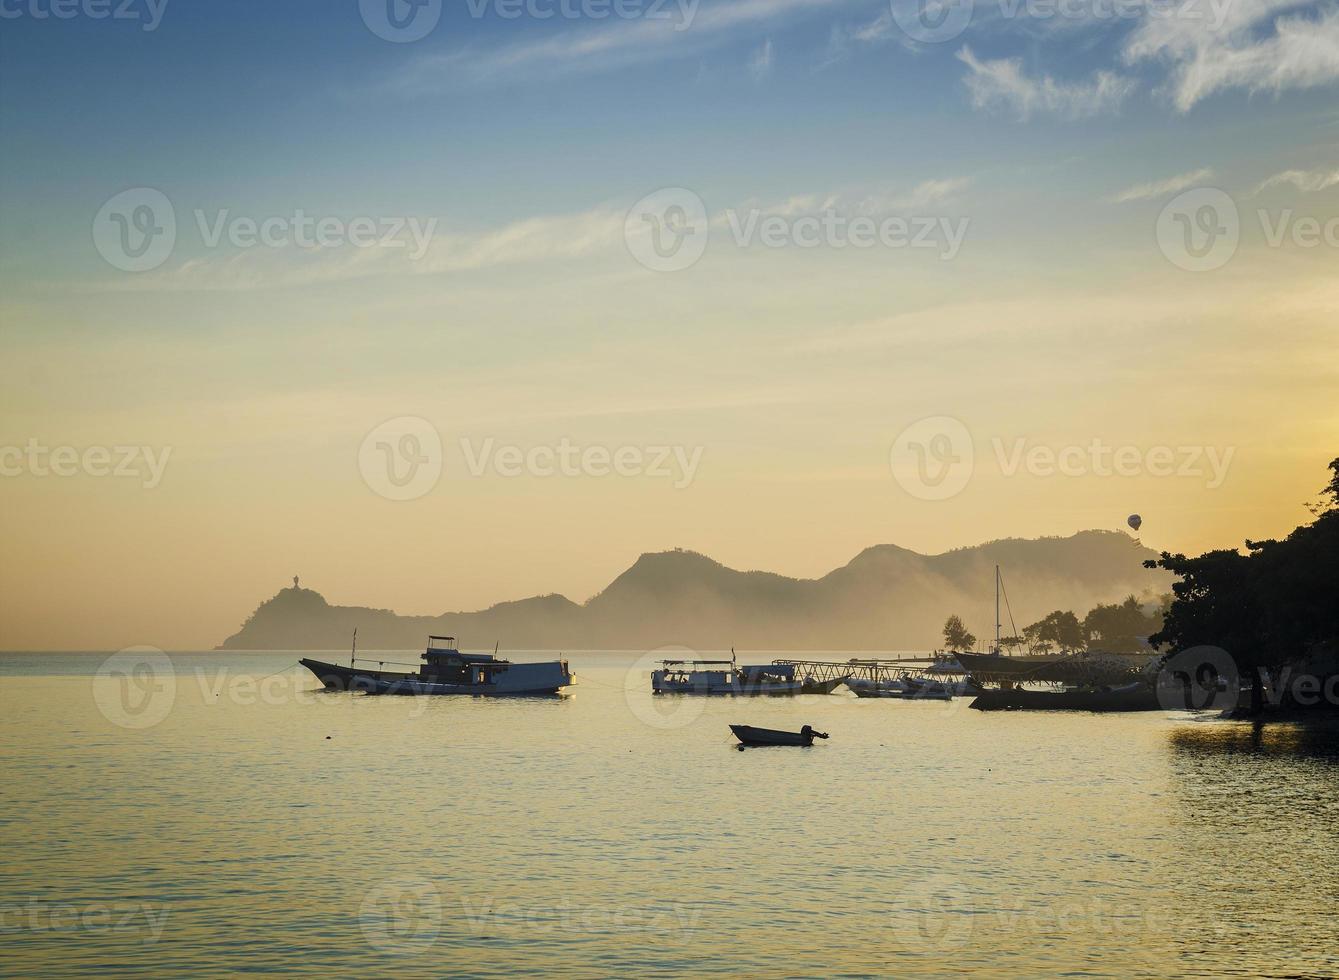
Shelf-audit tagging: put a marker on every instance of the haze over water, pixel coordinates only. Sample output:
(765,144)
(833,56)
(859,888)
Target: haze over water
(608,833)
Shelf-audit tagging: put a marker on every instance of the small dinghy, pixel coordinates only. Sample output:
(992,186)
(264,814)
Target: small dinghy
(748,735)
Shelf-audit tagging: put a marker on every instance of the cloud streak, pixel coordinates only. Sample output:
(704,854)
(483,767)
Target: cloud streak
(1003,83)
(1306,181)
(621,44)
(1160,188)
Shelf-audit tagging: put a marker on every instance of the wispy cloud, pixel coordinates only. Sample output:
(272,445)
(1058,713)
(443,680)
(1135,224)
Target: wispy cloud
(1002,83)
(595,234)
(760,65)
(1159,188)
(1237,51)
(613,45)
(1306,181)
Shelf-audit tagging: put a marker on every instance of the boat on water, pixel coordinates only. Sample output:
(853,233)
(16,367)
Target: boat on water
(863,687)
(810,685)
(750,736)
(724,677)
(1129,697)
(445,670)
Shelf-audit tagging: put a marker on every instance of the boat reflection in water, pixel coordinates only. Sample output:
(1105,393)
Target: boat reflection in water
(446,670)
(724,677)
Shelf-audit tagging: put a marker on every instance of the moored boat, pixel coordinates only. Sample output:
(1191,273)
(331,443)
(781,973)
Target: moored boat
(724,677)
(1132,697)
(748,735)
(863,687)
(446,670)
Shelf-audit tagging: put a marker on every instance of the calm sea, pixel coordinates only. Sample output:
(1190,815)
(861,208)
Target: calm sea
(223,818)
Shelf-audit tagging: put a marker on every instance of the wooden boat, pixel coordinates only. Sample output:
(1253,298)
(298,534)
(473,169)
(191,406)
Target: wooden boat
(724,677)
(1132,697)
(811,686)
(446,670)
(748,735)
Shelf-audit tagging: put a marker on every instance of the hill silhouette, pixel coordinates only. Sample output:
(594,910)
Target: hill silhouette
(885,598)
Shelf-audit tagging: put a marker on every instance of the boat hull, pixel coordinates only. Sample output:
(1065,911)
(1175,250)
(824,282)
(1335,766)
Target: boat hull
(728,690)
(517,680)
(336,677)
(748,735)
(1143,699)
(414,686)
(811,686)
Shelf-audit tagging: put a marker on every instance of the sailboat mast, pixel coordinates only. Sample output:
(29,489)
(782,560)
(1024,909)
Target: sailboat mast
(997,609)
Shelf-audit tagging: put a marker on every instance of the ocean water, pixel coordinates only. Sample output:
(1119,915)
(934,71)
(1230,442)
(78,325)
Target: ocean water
(215,815)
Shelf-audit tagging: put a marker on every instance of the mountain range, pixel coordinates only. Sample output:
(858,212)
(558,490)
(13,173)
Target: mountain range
(886,598)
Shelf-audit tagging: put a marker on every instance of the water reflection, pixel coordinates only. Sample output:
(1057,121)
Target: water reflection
(1313,739)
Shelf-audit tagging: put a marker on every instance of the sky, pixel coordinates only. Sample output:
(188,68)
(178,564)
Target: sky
(440,305)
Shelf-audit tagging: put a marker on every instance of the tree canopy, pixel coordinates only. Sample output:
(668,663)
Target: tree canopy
(1276,603)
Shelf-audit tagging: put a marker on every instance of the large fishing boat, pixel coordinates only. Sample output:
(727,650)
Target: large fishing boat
(445,670)
(724,677)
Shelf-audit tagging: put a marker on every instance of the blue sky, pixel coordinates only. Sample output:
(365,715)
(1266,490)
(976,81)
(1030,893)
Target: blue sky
(1060,146)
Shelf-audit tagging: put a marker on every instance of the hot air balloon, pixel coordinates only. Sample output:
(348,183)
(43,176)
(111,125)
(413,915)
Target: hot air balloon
(1134,520)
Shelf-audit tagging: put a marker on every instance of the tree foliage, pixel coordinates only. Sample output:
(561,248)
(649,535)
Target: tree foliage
(1277,603)
(1060,630)
(956,636)
(1119,628)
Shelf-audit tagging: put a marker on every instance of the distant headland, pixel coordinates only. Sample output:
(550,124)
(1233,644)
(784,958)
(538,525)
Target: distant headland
(886,598)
